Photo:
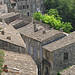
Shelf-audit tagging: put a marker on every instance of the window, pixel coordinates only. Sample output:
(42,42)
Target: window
(29,40)
(24,6)
(19,7)
(46,73)
(47,54)
(0,20)
(38,43)
(31,50)
(27,6)
(65,56)
(38,53)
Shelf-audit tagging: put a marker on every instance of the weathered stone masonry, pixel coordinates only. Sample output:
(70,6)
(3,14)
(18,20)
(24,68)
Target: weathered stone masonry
(59,56)
(11,47)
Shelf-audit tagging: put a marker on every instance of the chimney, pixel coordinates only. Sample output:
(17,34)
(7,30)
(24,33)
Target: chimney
(32,20)
(8,37)
(61,29)
(40,20)
(2,32)
(35,29)
(44,32)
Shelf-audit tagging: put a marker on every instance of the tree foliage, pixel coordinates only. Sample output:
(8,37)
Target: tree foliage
(55,13)
(37,16)
(53,20)
(66,9)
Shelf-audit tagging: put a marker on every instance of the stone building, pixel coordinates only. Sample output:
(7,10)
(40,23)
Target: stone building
(58,55)
(11,40)
(3,8)
(35,37)
(29,6)
(52,50)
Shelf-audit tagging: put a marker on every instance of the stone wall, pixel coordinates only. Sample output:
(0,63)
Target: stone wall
(47,62)
(58,58)
(34,49)
(33,45)
(11,47)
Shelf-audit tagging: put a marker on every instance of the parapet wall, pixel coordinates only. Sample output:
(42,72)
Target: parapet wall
(11,47)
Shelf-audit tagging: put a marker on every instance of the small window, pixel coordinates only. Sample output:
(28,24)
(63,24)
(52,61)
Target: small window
(38,43)
(29,40)
(31,50)
(65,56)
(27,6)
(47,54)
(38,53)
(0,20)
(19,7)
(47,72)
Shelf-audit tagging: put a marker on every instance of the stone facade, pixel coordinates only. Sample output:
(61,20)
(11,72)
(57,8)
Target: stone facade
(47,63)
(3,8)
(11,47)
(54,61)
(59,55)
(29,6)
(62,63)
(36,40)
(52,50)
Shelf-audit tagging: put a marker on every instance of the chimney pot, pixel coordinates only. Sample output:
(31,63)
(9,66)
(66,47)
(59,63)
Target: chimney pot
(2,32)
(35,29)
(44,32)
(8,37)
(61,29)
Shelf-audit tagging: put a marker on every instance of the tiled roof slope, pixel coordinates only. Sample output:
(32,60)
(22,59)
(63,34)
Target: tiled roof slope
(23,62)
(28,31)
(61,43)
(9,31)
(8,15)
(69,71)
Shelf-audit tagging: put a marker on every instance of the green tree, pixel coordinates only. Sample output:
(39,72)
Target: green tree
(66,9)
(1,60)
(55,13)
(54,22)
(37,16)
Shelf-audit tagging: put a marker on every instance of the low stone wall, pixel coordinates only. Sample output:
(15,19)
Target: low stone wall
(11,47)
